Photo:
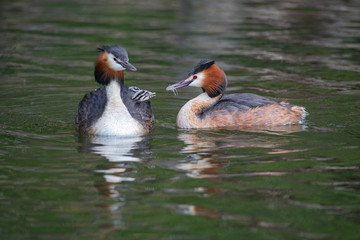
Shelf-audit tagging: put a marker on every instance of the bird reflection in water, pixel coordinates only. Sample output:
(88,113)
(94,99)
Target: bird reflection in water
(207,159)
(206,149)
(121,154)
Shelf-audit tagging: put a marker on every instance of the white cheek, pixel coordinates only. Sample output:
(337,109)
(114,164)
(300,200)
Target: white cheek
(114,65)
(197,82)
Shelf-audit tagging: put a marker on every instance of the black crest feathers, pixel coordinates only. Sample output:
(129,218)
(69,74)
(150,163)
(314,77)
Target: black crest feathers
(117,51)
(202,65)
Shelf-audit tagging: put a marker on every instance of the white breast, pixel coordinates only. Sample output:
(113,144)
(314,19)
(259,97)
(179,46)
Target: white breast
(116,119)
(185,116)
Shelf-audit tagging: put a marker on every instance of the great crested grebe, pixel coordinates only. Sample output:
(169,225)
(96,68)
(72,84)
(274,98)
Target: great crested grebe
(114,109)
(214,109)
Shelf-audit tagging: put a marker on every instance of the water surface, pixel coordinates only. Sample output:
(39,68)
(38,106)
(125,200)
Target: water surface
(297,182)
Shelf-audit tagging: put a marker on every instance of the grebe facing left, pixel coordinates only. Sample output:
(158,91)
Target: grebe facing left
(214,109)
(114,109)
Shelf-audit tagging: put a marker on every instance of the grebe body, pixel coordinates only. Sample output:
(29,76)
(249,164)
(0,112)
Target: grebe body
(114,109)
(214,109)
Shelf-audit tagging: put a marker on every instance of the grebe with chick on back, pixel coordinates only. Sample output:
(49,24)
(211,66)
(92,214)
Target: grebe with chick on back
(114,109)
(214,109)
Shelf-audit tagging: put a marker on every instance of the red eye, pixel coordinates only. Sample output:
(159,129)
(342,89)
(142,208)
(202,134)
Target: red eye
(195,77)
(115,59)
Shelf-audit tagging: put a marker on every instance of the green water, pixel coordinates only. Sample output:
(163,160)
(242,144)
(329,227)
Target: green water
(289,183)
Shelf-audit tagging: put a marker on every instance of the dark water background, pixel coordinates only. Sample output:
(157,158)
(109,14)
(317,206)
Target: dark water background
(289,183)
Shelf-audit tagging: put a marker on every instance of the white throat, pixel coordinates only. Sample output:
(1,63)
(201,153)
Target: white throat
(113,90)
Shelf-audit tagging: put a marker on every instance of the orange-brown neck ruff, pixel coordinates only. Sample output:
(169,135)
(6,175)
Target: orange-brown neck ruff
(214,82)
(103,73)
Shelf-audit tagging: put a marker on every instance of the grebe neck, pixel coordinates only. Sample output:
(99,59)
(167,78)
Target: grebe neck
(113,91)
(203,101)
(188,115)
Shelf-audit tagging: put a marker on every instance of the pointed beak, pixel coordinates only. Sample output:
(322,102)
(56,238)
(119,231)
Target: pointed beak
(128,66)
(178,85)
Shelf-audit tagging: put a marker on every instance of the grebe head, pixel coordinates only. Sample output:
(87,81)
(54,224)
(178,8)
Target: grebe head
(111,63)
(205,75)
